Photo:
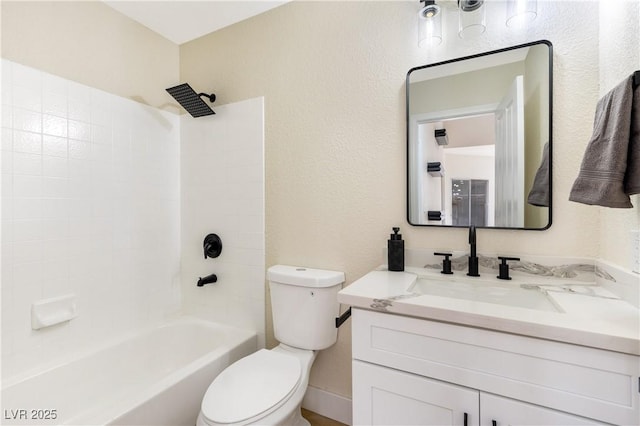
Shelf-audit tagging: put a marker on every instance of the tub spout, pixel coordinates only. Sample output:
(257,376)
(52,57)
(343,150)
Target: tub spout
(209,279)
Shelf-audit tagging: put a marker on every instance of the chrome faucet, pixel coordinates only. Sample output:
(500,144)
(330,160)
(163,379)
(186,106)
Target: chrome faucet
(473,258)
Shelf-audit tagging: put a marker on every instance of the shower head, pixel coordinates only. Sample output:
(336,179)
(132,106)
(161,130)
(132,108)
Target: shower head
(190,100)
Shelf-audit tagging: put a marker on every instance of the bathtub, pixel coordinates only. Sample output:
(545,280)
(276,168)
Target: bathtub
(156,377)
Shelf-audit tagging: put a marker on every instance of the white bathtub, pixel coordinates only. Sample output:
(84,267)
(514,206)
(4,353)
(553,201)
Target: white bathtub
(157,377)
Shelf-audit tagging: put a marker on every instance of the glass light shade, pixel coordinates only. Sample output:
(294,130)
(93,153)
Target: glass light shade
(430,26)
(472,23)
(521,12)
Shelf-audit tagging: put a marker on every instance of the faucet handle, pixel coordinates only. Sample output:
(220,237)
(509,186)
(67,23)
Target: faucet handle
(446,263)
(212,246)
(504,267)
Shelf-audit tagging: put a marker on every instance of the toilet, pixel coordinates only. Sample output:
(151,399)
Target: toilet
(267,386)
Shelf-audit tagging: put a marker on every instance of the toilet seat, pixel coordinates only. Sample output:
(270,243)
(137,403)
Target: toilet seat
(251,388)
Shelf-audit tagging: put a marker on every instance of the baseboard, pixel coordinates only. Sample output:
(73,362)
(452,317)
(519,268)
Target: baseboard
(328,404)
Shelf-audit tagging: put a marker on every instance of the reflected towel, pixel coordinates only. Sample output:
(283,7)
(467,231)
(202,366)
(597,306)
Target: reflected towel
(608,174)
(539,194)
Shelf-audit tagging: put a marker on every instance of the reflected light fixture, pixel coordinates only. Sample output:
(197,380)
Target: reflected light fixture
(521,12)
(429,24)
(441,137)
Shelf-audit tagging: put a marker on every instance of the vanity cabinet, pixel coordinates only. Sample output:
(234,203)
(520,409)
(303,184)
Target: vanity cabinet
(416,371)
(384,396)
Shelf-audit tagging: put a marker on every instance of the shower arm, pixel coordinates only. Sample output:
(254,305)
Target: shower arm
(211,97)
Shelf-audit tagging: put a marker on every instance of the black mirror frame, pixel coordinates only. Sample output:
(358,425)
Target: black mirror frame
(533,43)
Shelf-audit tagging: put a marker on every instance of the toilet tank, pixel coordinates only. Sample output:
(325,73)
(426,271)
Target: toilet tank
(304,305)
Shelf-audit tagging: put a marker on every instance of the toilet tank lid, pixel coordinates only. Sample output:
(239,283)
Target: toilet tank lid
(304,277)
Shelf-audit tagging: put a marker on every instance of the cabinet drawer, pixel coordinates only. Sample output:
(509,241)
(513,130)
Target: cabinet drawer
(584,381)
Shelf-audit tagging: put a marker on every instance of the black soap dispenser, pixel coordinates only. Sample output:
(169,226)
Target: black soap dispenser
(395,251)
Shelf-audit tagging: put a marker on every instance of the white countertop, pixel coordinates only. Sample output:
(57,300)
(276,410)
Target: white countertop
(588,320)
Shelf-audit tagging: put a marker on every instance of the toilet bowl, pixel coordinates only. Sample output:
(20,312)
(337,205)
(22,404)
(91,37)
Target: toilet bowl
(267,387)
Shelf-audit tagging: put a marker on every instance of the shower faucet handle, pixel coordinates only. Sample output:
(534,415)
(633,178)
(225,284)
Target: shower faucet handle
(212,246)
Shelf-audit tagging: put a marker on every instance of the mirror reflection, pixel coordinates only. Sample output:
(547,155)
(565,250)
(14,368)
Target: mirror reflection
(479,140)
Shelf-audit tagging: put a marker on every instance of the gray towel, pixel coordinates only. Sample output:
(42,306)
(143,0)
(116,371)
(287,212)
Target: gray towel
(608,174)
(539,194)
(632,174)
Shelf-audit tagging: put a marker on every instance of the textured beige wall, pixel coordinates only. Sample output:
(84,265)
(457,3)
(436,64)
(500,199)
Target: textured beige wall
(619,57)
(333,75)
(89,42)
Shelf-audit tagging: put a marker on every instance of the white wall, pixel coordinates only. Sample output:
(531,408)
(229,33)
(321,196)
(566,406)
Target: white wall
(108,226)
(432,187)
(90,206)
(222,185)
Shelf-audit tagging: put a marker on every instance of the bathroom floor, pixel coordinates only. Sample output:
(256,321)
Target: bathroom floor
(318,420)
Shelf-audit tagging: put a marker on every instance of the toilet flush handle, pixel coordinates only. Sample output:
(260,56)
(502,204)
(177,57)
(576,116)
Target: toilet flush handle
(342,318)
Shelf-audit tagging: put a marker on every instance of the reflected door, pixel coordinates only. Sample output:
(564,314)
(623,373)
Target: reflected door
(510,157)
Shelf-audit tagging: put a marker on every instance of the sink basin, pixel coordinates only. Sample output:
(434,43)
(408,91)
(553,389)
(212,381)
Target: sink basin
(485,291)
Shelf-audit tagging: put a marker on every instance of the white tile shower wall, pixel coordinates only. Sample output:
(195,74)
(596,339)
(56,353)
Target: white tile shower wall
(222,178)
(91,206)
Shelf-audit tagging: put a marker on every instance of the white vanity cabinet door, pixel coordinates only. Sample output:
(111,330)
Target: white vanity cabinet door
(588,382)
(384,396)
(505,411)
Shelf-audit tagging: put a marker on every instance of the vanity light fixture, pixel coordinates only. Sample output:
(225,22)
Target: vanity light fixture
(429,24)
(471,18)
(521,12)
